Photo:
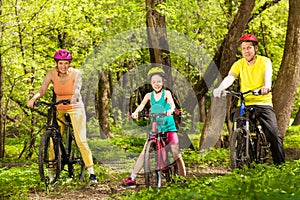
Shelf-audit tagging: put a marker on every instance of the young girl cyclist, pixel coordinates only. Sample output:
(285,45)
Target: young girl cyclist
(159,96)
(67,84)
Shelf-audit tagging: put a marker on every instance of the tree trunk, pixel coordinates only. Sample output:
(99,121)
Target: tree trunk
(157,39)
(285,87)
(213,123)
(102,102)
(228,52)
(297,119)
(157,34)
(203,109)
(2,138)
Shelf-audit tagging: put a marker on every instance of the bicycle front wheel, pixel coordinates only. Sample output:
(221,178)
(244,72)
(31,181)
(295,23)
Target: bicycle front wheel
(49,159)
(151,172)
(238,149)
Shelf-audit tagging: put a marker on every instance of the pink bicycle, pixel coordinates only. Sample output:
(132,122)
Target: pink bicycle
(158,169)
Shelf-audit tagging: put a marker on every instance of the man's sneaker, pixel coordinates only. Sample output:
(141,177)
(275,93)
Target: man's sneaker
(130,182)
(93,180)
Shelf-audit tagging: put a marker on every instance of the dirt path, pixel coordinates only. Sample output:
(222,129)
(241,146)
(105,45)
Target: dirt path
(113,190)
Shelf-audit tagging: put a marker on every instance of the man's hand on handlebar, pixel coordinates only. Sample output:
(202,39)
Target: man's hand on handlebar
(218,92)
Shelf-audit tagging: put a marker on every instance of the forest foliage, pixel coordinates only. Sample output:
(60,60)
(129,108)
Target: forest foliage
(31,31)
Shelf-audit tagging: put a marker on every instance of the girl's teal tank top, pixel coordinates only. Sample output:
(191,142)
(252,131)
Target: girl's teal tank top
(167,123)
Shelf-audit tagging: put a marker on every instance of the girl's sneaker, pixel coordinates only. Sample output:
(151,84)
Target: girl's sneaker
(130,182)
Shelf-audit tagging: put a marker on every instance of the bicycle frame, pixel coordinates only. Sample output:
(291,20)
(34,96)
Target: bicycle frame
(245,121)
(160,139)
(53,125)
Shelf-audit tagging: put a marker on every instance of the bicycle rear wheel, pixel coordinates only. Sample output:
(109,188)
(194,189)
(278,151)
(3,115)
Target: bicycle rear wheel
(170,172)
(49,158)
(262,147)
(76,166)
(151,172)
(238,149)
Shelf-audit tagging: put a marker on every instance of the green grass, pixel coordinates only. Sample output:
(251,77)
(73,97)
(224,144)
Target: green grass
(262,182)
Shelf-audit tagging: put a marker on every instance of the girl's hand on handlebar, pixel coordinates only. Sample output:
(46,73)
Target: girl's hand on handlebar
(135,115)
(169,112)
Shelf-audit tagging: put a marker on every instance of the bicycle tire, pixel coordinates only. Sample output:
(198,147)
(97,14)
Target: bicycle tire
(46,165)
(171,169)
(151,173)
(170,172)
(238,149)
(76,163)
(262,147)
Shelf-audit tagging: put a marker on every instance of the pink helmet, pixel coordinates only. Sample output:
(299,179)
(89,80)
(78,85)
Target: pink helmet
(62,54)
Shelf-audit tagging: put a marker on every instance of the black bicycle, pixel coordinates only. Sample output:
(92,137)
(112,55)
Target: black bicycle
(248,143)
(158,167)
(56,151)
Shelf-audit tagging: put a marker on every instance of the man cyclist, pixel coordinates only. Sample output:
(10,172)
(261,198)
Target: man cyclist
(67,84)
(255,72)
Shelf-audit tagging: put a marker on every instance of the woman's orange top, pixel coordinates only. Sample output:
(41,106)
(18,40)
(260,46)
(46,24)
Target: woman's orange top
(64,90)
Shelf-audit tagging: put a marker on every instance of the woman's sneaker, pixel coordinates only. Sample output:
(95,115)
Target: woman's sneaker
(130,182)
(93,180)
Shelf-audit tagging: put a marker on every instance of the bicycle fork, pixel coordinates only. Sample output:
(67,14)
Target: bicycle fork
(247,140)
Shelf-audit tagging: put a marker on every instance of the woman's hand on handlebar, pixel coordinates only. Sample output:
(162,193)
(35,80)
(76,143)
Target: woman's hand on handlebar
(30,103)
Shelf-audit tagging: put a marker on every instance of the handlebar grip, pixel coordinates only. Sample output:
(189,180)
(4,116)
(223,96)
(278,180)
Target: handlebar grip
(37,103)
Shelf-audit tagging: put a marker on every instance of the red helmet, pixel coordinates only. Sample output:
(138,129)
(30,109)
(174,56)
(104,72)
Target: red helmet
(248,38)
(62,54)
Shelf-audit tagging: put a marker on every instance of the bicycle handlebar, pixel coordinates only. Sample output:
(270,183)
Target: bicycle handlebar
(153,115)
(64,102)
(239,94)
(164,114)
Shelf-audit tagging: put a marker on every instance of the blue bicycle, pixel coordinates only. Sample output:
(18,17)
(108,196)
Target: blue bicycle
(248,143)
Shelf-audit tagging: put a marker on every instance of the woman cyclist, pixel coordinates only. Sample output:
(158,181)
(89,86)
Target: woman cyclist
(162,97)
(67,84)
